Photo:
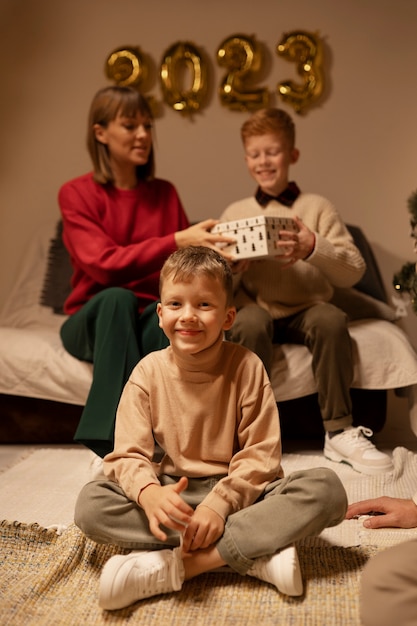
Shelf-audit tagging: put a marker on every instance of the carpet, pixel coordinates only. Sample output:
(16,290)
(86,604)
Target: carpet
(51,580)
(49,576)
(44,485)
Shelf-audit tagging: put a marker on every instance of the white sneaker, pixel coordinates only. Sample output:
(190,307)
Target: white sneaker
(282,569)
(138,575)
(96,467)
(352,447)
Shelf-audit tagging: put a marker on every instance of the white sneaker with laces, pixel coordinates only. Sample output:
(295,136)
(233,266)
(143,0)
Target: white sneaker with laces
(125,579)
(353,447)
(282,569)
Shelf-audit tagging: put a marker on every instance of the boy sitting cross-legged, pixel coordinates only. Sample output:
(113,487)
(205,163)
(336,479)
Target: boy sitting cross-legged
(218,496)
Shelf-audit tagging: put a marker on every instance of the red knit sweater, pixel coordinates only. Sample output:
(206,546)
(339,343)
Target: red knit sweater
(118,238)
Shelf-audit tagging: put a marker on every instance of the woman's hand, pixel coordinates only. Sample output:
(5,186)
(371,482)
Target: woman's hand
(200,235)
(385,512)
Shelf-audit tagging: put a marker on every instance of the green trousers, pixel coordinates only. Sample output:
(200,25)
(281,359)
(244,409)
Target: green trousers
(109,332)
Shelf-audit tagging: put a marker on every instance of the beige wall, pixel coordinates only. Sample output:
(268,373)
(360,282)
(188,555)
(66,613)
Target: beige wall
(358,147)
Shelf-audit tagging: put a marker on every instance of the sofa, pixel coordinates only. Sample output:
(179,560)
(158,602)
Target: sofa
(43,388)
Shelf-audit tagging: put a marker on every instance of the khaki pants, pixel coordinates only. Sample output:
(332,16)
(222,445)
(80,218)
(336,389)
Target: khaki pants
(323,329)
(291,508)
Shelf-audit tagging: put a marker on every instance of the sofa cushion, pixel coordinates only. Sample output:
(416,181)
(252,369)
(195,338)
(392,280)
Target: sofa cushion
(57,281)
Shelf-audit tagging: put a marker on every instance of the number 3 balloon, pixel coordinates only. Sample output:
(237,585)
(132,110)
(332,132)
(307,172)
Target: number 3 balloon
(304,49)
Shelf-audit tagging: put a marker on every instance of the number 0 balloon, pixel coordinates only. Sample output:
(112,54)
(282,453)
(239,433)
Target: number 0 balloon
(179,58)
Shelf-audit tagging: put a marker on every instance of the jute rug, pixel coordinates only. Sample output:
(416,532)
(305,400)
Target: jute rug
(52,580)
(50,576)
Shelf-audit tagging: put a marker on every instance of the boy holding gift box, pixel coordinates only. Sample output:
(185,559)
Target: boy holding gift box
(287,298)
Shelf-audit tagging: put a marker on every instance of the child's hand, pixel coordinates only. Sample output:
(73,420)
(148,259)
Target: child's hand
(164,505)
(204,529)
(298,246)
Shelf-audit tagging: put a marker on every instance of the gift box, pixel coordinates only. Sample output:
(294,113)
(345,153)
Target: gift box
(256,237)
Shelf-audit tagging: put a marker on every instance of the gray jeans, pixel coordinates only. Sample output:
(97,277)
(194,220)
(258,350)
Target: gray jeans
(301,504)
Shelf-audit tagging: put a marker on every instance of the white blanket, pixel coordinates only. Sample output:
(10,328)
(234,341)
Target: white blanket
(33,362)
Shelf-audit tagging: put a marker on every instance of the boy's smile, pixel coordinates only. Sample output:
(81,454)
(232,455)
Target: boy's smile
(193,314)
(268,158)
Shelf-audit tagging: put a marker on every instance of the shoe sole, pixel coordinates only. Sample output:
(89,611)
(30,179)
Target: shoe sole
(283,572)
(358,467)
(289,560)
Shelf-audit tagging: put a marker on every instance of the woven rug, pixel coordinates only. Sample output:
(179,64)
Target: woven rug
(51,580)
(50,576)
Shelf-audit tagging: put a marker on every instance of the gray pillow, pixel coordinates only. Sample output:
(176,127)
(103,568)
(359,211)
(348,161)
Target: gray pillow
(56,284)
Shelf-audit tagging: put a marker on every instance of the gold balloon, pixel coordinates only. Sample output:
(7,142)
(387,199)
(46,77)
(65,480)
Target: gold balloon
(241,56)
(126,66)
(304,49)
(179,58)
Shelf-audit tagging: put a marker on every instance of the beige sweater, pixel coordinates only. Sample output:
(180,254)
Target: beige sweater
(213,414)
(334,262)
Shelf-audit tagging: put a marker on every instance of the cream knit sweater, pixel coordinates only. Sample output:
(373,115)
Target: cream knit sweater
(213,414)
(334,262)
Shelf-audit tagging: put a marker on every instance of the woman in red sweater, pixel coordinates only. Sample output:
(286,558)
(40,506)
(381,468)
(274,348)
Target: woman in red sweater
(120,224)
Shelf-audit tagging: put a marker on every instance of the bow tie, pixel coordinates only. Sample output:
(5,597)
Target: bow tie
(286,197)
